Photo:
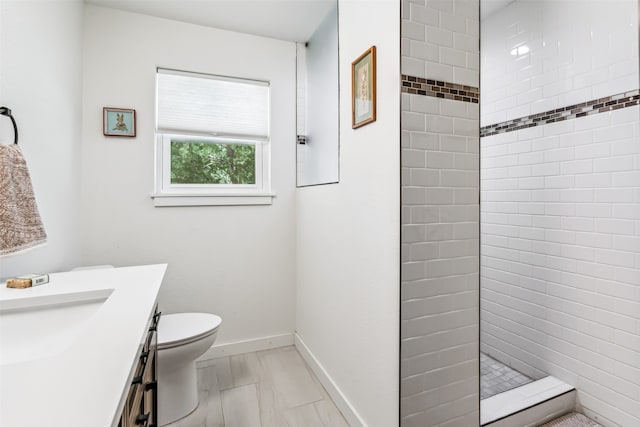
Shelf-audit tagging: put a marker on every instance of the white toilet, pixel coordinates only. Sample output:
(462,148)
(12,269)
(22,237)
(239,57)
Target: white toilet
(182,338)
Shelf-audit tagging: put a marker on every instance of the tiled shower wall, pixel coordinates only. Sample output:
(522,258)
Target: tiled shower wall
(561,198)
(575,51)
(440,230)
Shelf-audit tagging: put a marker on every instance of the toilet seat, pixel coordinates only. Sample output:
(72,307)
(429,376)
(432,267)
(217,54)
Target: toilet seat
(183,328)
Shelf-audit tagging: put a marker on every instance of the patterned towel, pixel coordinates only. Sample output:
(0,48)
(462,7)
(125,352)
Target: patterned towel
(572,419)
(20,224)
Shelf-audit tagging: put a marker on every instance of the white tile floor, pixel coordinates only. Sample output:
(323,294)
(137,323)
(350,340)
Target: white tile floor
(272,388)
(275,388)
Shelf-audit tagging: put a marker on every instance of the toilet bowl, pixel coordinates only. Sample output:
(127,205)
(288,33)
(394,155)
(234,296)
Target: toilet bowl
(182,338)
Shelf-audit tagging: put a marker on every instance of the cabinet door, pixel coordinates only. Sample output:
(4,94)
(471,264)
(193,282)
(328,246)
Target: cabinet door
(151,388)
(140,409)
(150,397)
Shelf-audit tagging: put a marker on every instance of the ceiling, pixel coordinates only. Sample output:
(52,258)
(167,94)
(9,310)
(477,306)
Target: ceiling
(292,20)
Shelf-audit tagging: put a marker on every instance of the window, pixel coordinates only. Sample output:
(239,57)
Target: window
(212,140)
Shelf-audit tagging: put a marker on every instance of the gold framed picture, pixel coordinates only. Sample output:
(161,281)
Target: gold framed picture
(363,88)
(118,122)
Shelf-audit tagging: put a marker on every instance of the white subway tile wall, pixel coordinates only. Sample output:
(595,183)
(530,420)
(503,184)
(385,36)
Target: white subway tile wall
(440,40)
(560,266)
(440,214)
(544,54)
(560,202)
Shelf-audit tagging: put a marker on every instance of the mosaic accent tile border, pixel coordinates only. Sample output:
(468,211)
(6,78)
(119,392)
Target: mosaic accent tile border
(595,106)
(440,89)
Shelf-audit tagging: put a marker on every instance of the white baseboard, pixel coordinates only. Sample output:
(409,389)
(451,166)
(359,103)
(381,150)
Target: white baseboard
(349,412)
(240,347)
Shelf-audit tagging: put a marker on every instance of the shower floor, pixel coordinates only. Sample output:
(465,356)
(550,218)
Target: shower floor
(572,420)
(496,377)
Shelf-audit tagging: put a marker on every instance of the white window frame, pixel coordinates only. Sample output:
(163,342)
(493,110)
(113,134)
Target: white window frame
(168,194)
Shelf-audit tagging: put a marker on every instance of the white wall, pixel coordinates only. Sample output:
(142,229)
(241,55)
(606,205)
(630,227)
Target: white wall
(40,73)
(348,233)
(440,214)
(237,262)
(561,203)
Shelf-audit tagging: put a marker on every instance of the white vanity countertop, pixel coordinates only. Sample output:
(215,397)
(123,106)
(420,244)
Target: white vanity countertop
(84,380)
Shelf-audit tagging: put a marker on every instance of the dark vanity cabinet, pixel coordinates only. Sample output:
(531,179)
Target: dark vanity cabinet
(141,404)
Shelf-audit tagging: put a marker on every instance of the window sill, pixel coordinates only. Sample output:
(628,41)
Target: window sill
(172,200)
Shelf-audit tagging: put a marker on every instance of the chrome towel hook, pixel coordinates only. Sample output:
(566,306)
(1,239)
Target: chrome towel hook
(5,111)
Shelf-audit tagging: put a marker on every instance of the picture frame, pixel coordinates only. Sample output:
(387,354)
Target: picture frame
(363,89)
(119,122)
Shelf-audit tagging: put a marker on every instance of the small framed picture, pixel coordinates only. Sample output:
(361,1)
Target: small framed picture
(363,88)
(118,122)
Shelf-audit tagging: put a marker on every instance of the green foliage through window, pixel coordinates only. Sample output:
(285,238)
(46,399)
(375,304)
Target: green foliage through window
(203,163)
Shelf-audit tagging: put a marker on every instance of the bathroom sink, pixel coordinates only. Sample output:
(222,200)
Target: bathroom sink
(42,326)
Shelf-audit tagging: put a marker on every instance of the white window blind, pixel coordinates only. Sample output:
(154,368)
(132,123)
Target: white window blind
(200,104)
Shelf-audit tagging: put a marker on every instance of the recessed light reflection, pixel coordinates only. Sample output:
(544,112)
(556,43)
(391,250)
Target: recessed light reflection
(520,50)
